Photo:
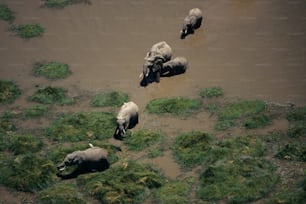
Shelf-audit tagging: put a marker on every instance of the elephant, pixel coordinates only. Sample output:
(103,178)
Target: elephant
(89,160)
(176,66)
(159,53)
(127,118)
(191,22)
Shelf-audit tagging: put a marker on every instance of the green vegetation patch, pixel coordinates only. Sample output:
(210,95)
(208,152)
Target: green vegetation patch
(190,148)
(29,172)
(63,193)
(28,30)
(292,151)
(211,92)
(179,106)
(257,121)
(52,70)
(128,182)
(112,98)
(35,111)
(25,143)
(82,126)
(6,13)
(141,139)
(241,180)
(297,130)
(49,95)
(298,114)
(289,196)
(9,91)
(241,109)
(175,192)
(297,119)
(62,3)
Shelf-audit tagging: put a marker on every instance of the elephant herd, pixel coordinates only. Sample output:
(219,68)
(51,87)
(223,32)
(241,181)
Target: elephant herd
(157,63)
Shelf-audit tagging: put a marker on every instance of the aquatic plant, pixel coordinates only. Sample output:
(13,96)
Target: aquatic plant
(175,192)
(28,172)
(63,193)
(24,143)
(9,91)
(143,138)
(49,95)
(27,30)
(6,13)
(128,182)
(112,98)
(52,70)
(211,92)
(190,148)
(239,180)
(292,151)
(35,111)
(178,106)
(82,126)
(62,3)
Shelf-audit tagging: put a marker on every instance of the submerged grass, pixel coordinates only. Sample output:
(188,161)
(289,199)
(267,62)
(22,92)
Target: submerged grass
(112,98)
(9,91)
(49,95)
(27,30)
(29,172)
(141,139)
(190,148)
(35,111)
(241,180)
(52,70)
(82,126)
(211,92)
(62,3)
(174,192)
(63,193)
(178,106)
(128,182)
(6,13)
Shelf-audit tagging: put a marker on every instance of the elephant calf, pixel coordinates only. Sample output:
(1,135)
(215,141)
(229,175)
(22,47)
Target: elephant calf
(89,160)
(175,66)
(127,118)
(191,22)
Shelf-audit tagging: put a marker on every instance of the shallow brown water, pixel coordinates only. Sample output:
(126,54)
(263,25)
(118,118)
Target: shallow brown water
(253,49)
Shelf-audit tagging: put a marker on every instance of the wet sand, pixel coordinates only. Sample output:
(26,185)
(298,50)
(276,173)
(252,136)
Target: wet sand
(253,49)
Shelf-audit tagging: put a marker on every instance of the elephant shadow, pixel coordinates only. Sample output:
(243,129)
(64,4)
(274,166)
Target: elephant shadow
(86,167)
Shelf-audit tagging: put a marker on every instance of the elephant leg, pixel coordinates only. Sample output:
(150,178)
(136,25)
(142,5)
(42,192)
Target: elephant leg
(157,76)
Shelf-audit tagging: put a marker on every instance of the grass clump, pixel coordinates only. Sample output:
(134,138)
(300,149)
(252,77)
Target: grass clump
(35,111)
(62,3)
(63,193)
(297,118)
(25,143)
(52,70)
(142,139)
(28,30)
(128,182)
(29,172)
(292,151)
(9,91)
(49,95)
(298,114)
(257,121)
(297,130)
(6,13)
(175,192)
(178,106)
(241,180)
(211,92)
(190,148)
(112,98)
(82,126)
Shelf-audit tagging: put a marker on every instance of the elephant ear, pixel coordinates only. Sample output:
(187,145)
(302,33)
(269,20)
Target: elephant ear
(77,160)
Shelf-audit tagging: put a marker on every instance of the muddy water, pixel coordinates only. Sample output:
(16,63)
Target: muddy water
(253,49)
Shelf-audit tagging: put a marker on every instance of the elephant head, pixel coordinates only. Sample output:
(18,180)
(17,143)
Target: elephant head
(152,67)
(70,159)
(121,128)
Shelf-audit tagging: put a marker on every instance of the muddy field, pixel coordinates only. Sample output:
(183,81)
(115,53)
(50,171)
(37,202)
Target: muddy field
(253,49)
